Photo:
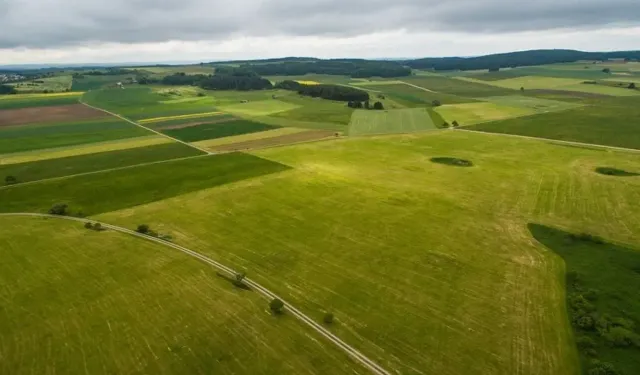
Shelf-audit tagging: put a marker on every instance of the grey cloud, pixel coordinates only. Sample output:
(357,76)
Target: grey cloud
(55,23)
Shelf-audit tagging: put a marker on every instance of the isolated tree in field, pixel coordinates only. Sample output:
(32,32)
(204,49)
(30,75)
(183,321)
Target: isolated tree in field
(606,70)
(143,228)
(59,209)
(445,125)
(276,306)
(328,318)
(522,89)
(378,106)
(88,225)
(632,86)
(97,226)
(10,180)
(455,123)
(436,103)
(239,278)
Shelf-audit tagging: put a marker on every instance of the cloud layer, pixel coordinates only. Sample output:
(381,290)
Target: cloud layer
(65,23)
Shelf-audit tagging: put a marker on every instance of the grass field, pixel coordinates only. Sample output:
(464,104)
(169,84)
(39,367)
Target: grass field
(34,137)
(60,83)
(609,121)
(217,130)
(77,301)
(247,137)
(473,113)
(62,152)
(413,96)
(538,105)
(602,282)
(89,82)
(259,108)
(112,190)
(366,122)
(534,82)
(43,169)
(352,213)
(38,100)
(455,87)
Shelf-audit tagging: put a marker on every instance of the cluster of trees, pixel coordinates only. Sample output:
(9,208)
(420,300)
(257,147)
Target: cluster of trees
(7,90)
(330,92)
(515,59)
(229,80)
(146,230)
(344,67)
(366,105)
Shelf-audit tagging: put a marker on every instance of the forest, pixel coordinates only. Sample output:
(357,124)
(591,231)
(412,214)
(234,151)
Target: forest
(330,92)
(349,67)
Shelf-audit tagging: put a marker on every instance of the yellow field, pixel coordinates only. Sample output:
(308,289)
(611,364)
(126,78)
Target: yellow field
(247,137)
(180,117)
(54,153)
(309,83)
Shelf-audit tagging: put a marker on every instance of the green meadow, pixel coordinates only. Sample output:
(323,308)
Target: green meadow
(37,100)
(365,122)
(217,130)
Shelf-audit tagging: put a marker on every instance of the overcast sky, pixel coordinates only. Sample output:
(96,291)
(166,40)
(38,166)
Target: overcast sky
(78,31)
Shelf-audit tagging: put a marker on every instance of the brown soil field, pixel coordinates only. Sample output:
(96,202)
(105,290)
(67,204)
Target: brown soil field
(192,124)
(281,140)
(39,115)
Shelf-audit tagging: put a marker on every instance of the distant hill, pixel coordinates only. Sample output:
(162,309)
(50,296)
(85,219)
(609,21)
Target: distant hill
(515,59)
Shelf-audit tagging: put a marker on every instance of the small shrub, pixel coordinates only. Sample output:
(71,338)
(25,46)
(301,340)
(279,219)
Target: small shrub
(455,123)
(328,318)
(445,125)
(143,228)
(378,106)
(591,295)
(88,225)
(632,86)
(602,368)
(586,323)
(97,227)
(436,103)
(452,161)
(59,209)
(621,337)
(239,278)
(276,306)
(585,342)
(201,94)
(10,180)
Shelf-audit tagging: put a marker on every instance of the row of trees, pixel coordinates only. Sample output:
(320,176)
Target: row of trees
(353,68)
(330,92)
(515,59)
(7,90)
(366,105)
(215,82)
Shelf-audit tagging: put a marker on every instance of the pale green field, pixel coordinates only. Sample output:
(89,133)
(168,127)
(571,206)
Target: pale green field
(601,89)
(258,108)
(429,268)
(54,153)
(528,102)
(247,137)
(77,301)
(532,82)
(367,122)
(474,113)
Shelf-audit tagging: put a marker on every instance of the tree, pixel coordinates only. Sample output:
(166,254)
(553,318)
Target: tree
(59,209)
(378,106)
(445,125)
(97,226)
(522,89)
(494,69)
(455,123)
(606,70)
(88,225)
(328,318)
(276,306)
(7,90)
(632,86)
(143,228)
(10,180)
(239,278)
(367,105)
(436,103)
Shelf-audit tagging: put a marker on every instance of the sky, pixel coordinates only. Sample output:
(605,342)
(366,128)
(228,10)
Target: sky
(99,31)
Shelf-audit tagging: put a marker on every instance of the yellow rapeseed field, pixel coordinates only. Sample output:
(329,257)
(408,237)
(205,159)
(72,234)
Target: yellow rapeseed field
(309,83)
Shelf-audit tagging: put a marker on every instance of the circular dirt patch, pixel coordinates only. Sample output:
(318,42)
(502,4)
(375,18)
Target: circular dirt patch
(615,172)
(453,161)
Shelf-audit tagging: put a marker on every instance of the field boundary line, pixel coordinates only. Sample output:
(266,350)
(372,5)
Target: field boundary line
(420,87)
(144,127)
(550,140)
(354,353)
(101,171)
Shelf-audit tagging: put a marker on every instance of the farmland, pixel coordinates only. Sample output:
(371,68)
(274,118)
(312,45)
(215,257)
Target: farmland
(429,250)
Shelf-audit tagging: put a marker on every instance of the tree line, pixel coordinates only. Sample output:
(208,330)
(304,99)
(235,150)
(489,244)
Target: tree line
(516,59)
(219,81)
(352,68)
(7,90)
(330,92)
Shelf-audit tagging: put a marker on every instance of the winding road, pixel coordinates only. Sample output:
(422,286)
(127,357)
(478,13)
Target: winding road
(354,353)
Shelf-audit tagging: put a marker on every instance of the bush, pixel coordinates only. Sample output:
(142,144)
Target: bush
(378,106)
(10,180)
(276,306)
(239,278)
(585,342)
(586,322)
(455,124)
(621,337)
(97,227)
(88,225)
(328,318)
(436,103)
(59,209)
(602,368)
(143,228)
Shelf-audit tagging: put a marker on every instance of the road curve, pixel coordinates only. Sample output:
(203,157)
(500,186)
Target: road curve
(354,353)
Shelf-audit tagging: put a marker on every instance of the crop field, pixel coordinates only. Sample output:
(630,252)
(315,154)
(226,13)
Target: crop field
(450,285)
(44,169)
(473,113)
(414,97)
(258,108)
(52,84)
(38,100)
(90,82)
(78,301)
(42,115)
(606,121)
(178,118)
(116,189)
(366,122)
(279,140)
(217,130)
(63,152)
(247,137)
(34,137)
(455,87)
(539,105)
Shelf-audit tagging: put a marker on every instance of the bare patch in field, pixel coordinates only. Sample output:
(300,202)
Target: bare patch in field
(39,115)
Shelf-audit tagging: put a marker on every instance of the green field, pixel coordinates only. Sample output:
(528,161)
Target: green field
(77,301)
(414,97)
(117,189)
(35,137)
(39,170)
(90,82)
(60,83)
(365,122)
(259,108)
(217,130)
(538,105)
(455,87)
(606,121)
(602,284)
(42,100)
(474,113)
(372,222)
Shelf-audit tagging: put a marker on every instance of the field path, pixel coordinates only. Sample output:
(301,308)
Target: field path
(144,127)
(572,143)
(354,353)
(418,87)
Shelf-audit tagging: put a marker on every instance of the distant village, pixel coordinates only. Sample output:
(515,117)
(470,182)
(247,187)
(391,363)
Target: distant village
(10,77)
